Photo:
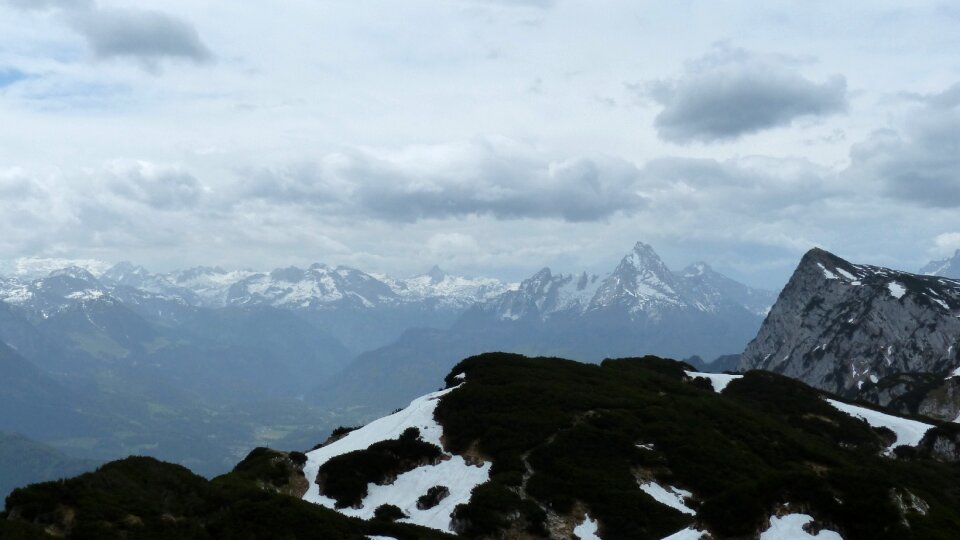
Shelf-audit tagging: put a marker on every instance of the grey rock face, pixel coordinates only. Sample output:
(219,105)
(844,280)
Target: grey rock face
(838,325)
(943,442)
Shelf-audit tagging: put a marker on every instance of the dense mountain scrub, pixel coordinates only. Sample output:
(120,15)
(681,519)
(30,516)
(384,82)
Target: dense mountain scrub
(566,437)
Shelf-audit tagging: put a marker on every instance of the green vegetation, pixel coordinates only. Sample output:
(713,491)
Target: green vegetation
(432,497)
(564,435)
(388,512)
(141,498)
(345,478)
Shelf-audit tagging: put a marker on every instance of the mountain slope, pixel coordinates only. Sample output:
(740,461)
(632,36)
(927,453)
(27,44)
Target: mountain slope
(23,461)
(639,448)
(520,447)
(839,326)
(144,498)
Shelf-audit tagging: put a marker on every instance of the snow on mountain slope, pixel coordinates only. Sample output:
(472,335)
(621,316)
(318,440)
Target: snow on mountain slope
(719,381)
(668,495)
(908,432)
(791,527)
(641,284)
(447,288)
(587,529)
(454,473)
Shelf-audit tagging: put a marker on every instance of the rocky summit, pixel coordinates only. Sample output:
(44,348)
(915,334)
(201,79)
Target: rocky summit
(844,327)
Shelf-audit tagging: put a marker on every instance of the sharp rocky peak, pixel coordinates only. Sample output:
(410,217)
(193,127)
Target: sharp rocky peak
(436,274)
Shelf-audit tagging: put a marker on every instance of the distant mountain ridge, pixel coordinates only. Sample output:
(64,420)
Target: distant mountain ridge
(949,267)
(225,354)
(641,307)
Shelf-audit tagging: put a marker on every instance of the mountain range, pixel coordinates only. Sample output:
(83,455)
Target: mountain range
(842,423)
(200,365)
(641,306)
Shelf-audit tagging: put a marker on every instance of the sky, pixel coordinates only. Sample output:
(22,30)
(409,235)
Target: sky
(491,137)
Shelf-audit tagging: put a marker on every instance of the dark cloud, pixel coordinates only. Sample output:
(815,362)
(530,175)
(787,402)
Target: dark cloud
(920,164)
(456,182)
(160,187)
(147,36)
(733,93)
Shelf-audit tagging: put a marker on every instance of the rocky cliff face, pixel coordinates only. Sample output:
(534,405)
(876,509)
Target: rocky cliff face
(839,326)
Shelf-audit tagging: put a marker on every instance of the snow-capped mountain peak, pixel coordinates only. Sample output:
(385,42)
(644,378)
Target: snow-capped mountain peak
(640,280)
(641,283)
(949,267)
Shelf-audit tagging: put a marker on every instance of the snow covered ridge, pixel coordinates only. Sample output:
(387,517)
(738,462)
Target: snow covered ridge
(641,283)
(908,432)
(317,286)
(454,473)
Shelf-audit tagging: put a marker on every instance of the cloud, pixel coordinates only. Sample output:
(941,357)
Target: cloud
(731,93)
(456,180)
(48,4)
(948,242)
(539,4)
(9,76)
(147,36)
(161,187)
(947,99)
(919,163)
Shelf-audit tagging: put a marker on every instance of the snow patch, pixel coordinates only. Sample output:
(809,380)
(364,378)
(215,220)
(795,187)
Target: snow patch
(454,473)
(587,530)
(669,496)
(718,380)
(896,290)
(87,294)
(790,527)
(956,373)
(848,275)
(686,534)
(826,273)
(908,432)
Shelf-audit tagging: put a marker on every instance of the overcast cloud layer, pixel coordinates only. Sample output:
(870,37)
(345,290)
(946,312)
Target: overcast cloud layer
(488,136)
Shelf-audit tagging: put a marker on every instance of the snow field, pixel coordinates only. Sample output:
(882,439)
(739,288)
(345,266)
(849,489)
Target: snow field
(458,476)
(587,530)
(669,496)
(908,432)
(790,527)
